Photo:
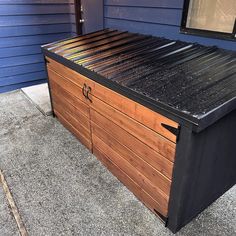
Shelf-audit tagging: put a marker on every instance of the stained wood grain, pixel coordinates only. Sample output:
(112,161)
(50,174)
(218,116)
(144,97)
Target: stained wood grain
(138,130)
(132,172)
(69,74)
(67,85)
(126,139)
(74,115)
(72,120)
(132,109)
(158,170)
(130,183)
(85,141)
(77,106)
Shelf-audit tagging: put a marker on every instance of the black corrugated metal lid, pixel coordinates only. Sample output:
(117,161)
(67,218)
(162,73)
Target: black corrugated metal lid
(188,82)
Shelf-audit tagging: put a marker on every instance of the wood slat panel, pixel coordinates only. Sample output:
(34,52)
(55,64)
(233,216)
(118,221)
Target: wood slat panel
(154,169)
(67,73)
(129,183)
(125,138)
(158,162)
(146,135)
(86,142)
(70,119)
(80,108)
(134,110)
(137,177)
(72,111)
(67,85)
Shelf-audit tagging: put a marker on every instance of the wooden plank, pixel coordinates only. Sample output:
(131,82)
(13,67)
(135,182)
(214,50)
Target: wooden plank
(126,139)
(154,169)
(70,119)
(134,110)
(130,184)
(80,108)
(157,161)
(135,175)
(144,134)
(66,84)
(72,112)
(69,74)
(86,142)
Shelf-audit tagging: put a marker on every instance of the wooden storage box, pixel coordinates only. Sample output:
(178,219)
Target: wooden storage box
(174,162)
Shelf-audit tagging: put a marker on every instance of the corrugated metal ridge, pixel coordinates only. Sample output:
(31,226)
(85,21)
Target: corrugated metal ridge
(191,78)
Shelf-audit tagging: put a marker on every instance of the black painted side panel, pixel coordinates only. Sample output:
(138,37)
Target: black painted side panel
(205,168)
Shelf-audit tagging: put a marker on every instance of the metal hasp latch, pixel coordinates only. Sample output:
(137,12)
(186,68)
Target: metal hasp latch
(173,130)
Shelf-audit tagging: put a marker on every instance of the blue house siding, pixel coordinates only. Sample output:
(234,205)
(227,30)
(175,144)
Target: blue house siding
(155,17)
(24,26)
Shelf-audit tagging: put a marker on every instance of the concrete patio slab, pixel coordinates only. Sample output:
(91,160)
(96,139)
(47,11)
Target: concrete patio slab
(62,189)
(39,96)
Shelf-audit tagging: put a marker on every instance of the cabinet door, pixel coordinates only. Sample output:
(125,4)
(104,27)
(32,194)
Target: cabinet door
(138,155)
(127,137)
(70,106)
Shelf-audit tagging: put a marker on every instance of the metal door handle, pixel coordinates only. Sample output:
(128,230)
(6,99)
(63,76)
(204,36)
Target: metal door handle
(87,95)
(84,90)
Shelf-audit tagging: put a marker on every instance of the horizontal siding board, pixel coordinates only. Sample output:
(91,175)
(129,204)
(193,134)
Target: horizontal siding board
(21,69)
(55,2)
(152,15)
(34,20)
(32,40)
(22,60)
(10,31)
(19,51)
(8,88)
(73,28)
(14,10)
(23,78)
(25,26)
(146,3)
(171,32)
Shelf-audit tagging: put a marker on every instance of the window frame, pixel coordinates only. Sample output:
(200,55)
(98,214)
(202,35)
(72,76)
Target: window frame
(200,32)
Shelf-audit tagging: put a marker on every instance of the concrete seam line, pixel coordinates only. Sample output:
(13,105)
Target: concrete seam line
(12,205)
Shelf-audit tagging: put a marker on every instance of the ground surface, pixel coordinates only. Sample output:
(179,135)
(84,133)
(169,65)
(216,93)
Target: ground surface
(61,189)
(39,95)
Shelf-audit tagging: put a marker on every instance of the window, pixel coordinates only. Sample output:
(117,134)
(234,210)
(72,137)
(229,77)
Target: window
(213,18)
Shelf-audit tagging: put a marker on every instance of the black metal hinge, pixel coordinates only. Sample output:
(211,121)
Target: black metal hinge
(173,130)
